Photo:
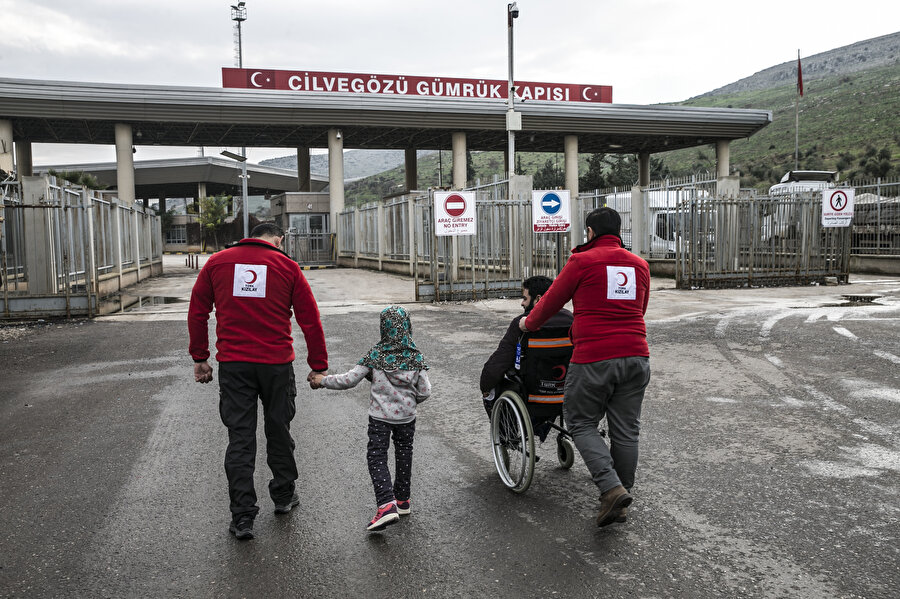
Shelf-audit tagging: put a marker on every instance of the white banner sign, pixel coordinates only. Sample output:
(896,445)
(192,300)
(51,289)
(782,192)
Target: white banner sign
(454,213)
(837,207)
(550,211)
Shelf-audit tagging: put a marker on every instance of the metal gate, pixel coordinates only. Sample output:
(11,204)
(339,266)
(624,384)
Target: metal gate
(756,241)
(310,249)
(494,261)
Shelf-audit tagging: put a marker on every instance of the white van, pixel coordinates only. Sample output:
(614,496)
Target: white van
(797,181)
(781,220)
(662,206)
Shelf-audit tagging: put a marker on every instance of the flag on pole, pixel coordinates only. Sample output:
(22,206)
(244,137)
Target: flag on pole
(799,75)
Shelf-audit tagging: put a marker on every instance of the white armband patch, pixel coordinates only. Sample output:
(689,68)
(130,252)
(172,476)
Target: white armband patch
(249,280)
(621,284)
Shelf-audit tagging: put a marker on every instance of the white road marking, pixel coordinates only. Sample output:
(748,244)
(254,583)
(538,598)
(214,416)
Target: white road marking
(845,333)
(775,360)
(887,356)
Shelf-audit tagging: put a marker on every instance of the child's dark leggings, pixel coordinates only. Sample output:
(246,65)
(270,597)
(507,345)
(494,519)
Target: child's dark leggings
(379,440)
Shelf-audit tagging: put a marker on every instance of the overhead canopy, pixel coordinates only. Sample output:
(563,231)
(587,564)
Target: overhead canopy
(72,112)
(178,177)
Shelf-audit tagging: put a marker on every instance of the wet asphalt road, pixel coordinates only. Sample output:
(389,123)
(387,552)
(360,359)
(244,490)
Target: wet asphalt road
(770,462)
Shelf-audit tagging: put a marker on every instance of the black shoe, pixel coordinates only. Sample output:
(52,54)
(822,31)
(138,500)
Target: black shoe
(284,508)
(242,528)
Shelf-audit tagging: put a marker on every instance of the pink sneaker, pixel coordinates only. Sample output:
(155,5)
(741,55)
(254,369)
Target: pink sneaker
(403,507)
(384,517)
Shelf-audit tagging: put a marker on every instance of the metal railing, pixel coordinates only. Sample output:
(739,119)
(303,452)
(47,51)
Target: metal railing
(59,245)
(876,218)
(759,241)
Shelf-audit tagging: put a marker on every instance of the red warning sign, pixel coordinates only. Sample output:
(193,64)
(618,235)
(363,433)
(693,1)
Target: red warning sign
(455,204)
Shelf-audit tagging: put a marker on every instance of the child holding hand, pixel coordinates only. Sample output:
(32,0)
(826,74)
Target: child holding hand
(397,371)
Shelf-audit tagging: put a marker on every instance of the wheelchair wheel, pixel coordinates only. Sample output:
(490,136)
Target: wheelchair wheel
(512,441)
(565,452)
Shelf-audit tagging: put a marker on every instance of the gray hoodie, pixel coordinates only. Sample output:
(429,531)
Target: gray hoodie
(394,393)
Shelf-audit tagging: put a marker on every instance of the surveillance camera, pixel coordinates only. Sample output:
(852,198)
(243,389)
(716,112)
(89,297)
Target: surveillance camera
(337,135)
(514,10)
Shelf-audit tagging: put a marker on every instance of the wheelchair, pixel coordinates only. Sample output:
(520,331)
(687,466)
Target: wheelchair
(532,401)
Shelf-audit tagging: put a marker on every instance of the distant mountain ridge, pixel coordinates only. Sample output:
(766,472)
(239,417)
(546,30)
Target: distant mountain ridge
(864,55)
(357,163)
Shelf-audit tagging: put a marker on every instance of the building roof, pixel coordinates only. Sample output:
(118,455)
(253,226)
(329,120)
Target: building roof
(75,112)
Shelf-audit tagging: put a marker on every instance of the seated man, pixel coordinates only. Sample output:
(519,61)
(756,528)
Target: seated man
(493,375)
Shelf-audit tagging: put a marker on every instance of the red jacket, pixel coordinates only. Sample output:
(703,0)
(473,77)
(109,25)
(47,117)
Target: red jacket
(253,286)
(609,288)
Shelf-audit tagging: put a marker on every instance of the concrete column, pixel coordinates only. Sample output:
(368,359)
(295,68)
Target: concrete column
(24,162)
(162,205)
(411,233)
(412,172)
(6,145)
(304,179)
(379,233)
(459,160)
(723,157)
(336,173)
(125,164)
(644,169)
(639,236)
(570,168)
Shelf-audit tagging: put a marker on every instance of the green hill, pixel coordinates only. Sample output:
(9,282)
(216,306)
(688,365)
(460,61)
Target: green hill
(848,122)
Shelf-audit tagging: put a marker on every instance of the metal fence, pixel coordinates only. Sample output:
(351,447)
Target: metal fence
(876,218)
(310,248)
(757,241)
(62,249)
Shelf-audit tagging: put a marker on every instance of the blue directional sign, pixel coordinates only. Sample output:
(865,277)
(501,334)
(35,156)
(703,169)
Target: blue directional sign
(550,203)
(550,211)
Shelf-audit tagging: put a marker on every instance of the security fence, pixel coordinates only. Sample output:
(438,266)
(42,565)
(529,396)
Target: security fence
(876,218)
(64,249)
(706,241)
(310,248)
(758,241)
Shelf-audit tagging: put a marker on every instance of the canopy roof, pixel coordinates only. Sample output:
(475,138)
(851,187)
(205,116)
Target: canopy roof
(74,112)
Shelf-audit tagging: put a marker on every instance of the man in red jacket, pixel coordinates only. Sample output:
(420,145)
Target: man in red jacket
(253,286)
(610,367)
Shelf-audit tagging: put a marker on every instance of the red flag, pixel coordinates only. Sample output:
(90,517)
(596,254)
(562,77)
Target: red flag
(799,75)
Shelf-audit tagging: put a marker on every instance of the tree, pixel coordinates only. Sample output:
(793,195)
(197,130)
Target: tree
(548,176)
(78,178)
(213,211)
(470,167)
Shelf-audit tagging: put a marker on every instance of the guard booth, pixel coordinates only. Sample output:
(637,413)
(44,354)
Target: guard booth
(305,219)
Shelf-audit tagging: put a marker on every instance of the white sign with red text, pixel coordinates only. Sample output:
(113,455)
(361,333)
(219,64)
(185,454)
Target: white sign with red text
(550,211)
(837,207)
(454,213)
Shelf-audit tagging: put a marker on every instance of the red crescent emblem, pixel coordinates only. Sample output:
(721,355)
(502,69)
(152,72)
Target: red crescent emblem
(561,370)
(253,278)
(623,280)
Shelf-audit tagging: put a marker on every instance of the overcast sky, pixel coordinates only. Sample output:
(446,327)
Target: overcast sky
(649,51)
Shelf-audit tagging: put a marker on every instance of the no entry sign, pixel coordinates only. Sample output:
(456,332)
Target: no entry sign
(837,207)
(454,213)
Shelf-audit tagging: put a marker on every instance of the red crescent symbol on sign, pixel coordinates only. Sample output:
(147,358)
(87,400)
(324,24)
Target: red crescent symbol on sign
(561,370)
(623,280)
(842,200)
(252,280)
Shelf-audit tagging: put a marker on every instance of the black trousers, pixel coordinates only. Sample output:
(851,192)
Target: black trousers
(240,384)
(380,433)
